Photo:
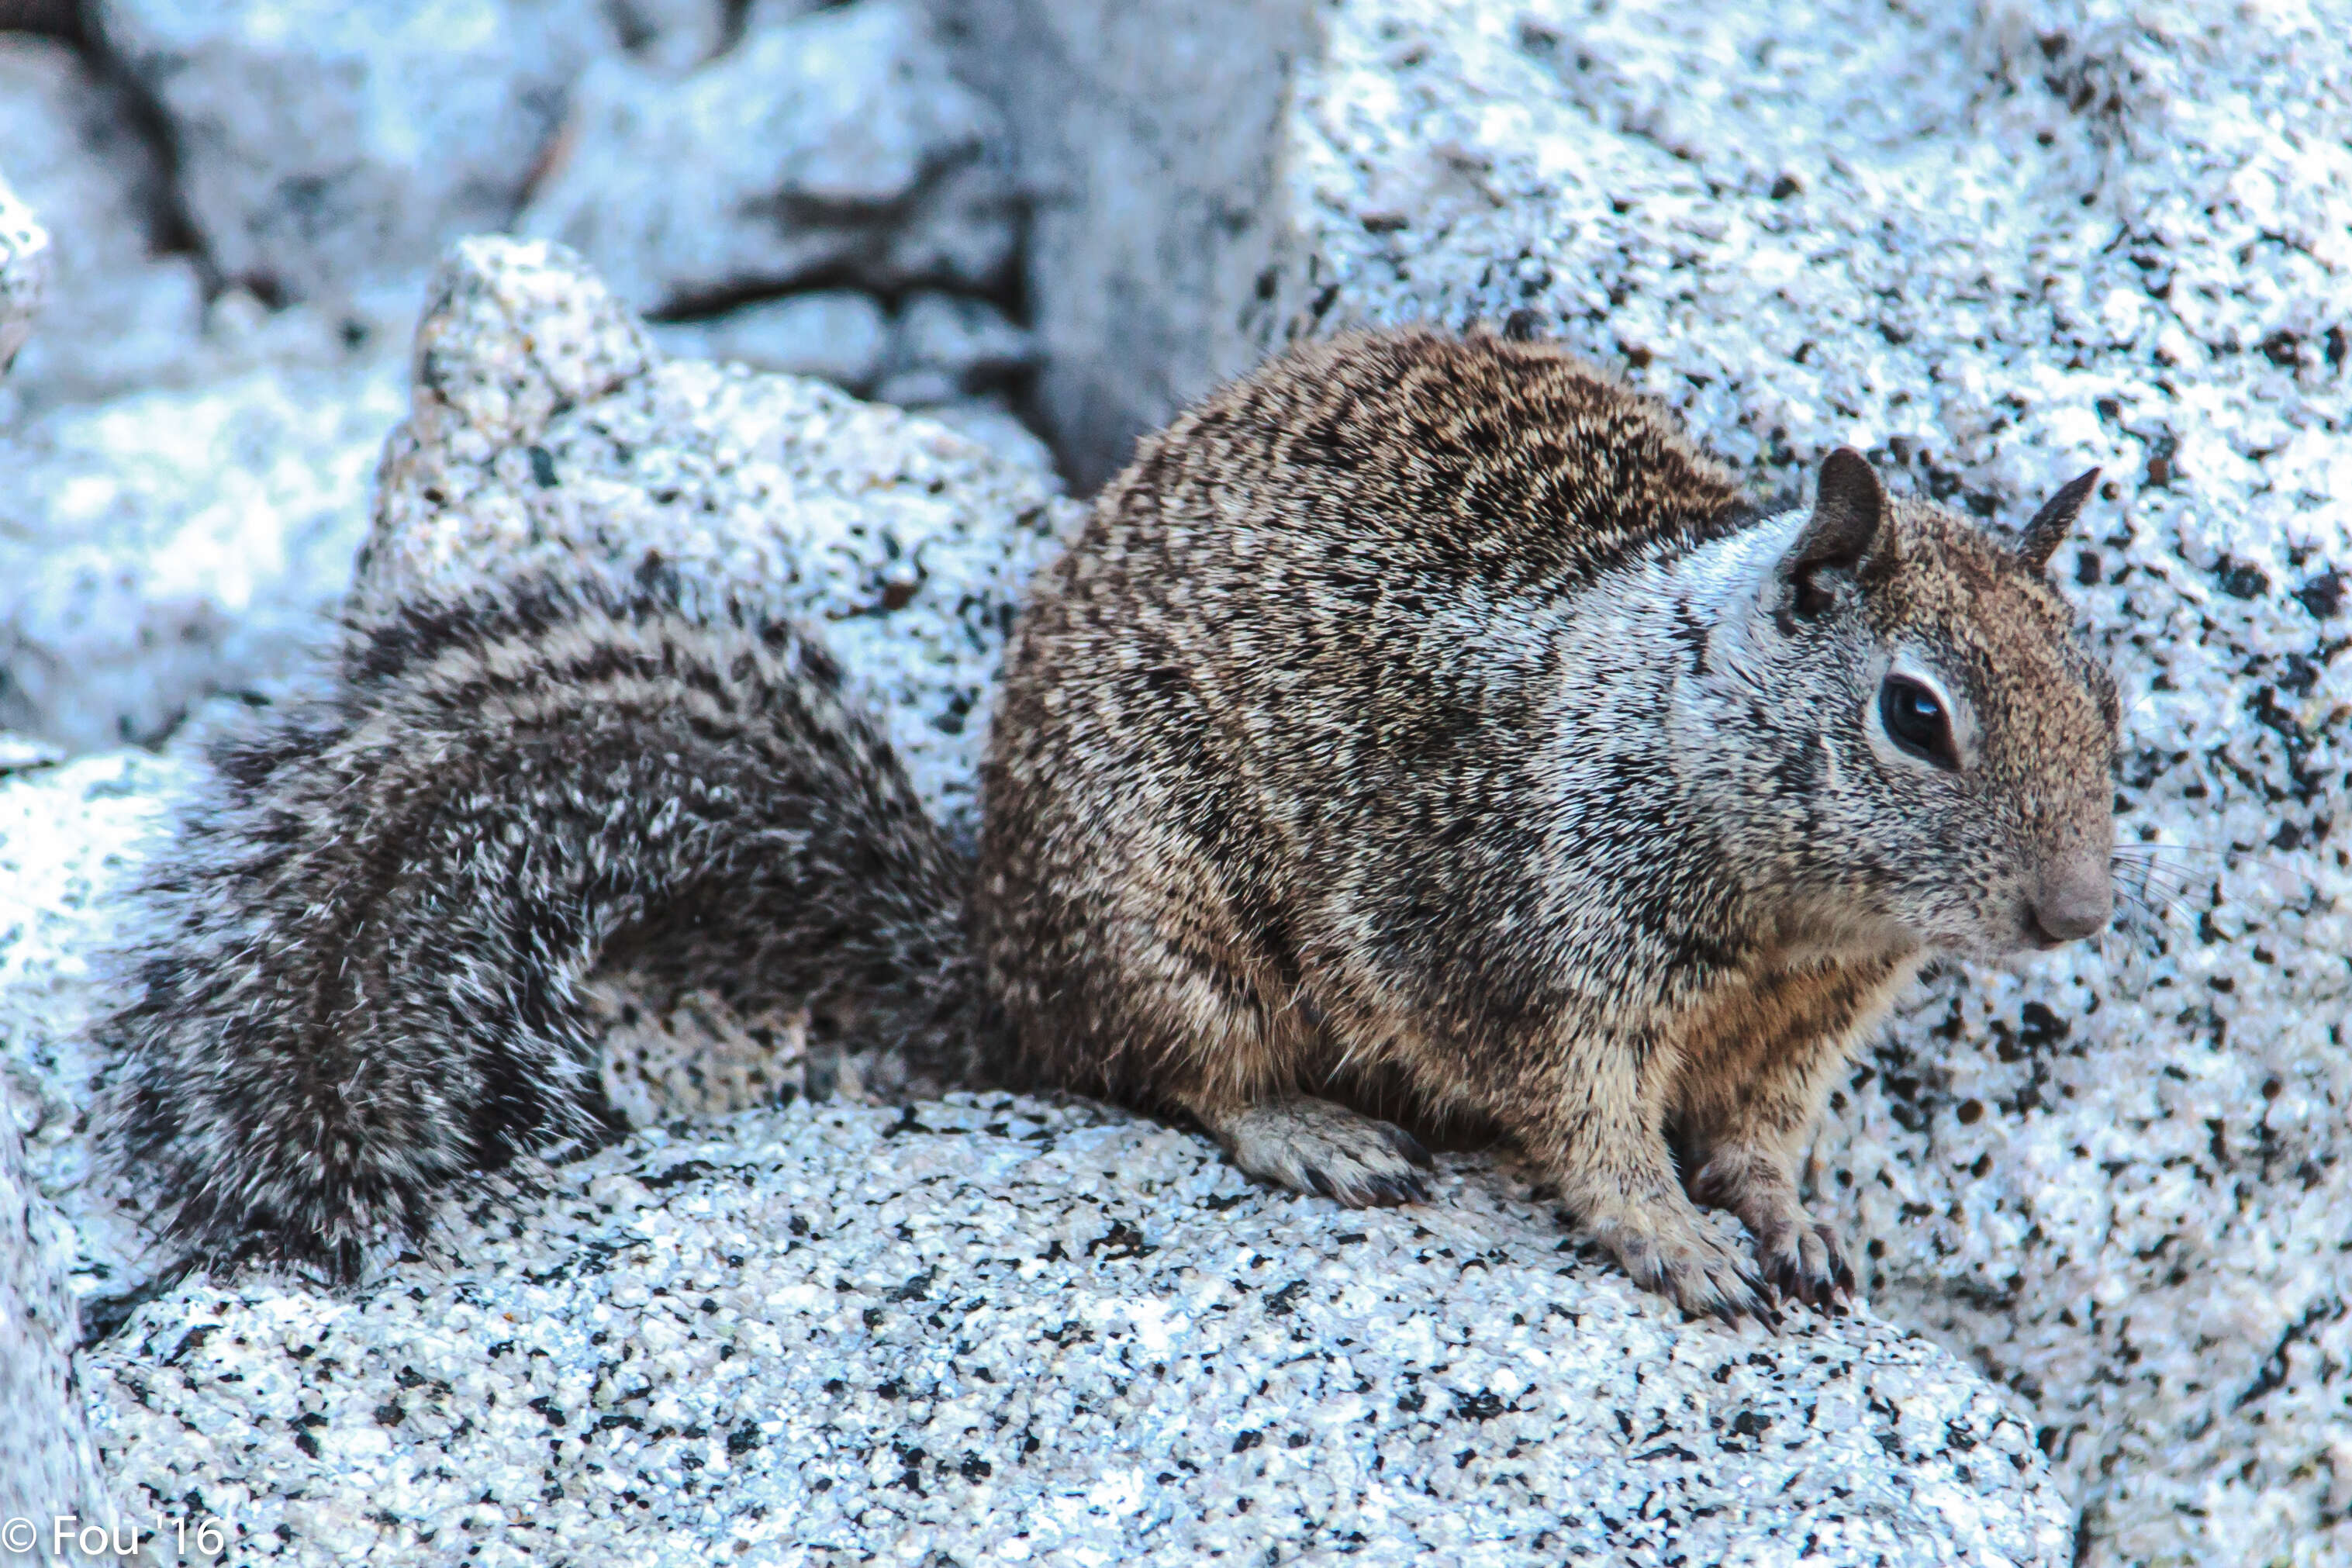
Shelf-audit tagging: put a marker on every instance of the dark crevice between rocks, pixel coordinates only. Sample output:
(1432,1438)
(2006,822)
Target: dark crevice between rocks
(58,18)
(169,230)
(712,304)
(1007,293)
(735,17)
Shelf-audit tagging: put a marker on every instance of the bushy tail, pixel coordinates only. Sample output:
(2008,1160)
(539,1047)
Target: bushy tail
(359,992)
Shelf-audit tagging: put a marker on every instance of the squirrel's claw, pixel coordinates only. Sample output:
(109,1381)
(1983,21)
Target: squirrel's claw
(1406,1144)
(1681,1259)
(1803,1262)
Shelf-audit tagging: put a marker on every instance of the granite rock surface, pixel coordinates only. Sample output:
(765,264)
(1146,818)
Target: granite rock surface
(547,435)
(947,346)
(162,548)
(1992,244)
(116,309)
(132,303)
(840,335)
(938,348)
(1996,245)
(996,1328)
(989,1325)
(1003,1329)
(47,1463)
(1151,135)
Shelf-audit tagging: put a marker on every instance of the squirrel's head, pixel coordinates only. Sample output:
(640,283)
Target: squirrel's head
(1919,745)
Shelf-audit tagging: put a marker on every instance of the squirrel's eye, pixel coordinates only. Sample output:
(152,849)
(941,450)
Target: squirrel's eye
(1915,721)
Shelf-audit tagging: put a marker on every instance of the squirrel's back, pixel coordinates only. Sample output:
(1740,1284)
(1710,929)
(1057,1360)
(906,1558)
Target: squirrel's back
(1315,621)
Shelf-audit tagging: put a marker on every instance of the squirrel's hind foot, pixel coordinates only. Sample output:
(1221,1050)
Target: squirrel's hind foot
(1315,1146)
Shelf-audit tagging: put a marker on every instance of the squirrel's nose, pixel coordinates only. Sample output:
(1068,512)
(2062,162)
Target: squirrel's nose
(2074,906)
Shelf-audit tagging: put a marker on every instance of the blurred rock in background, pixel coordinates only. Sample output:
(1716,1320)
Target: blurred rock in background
(162,548)
(24,258)
(241,201)
(317,143)
(840,335)
(1152,136)
(834,145)
(121,311)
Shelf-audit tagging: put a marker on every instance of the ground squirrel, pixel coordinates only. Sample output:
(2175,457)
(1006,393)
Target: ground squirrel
(1419,727)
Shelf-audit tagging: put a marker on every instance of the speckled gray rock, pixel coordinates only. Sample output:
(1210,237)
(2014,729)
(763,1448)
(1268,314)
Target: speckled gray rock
(998,1329)
(834,142)
(121,318)
(989,1327)
(67,835)
(47,1465)
(322,142)
(547,435)
(23,272)
(163,547)
(1996,245)
(70,832)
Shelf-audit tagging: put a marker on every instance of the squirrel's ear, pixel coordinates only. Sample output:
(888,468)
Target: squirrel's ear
(1848,509)
(2054,521)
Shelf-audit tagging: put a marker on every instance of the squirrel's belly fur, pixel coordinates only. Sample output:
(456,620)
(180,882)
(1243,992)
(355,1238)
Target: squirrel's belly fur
(1420,724)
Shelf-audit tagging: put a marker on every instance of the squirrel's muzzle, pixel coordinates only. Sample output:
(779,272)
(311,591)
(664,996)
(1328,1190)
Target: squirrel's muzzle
(2074,902)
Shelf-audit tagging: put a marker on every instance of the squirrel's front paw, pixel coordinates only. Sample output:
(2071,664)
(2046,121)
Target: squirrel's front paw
(1803,1260)
(1682,1259)
(1798,1256)
(1315,1146)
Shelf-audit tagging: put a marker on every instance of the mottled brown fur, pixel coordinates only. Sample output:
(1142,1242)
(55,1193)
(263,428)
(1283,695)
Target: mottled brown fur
(1289,796)
(1419,727)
